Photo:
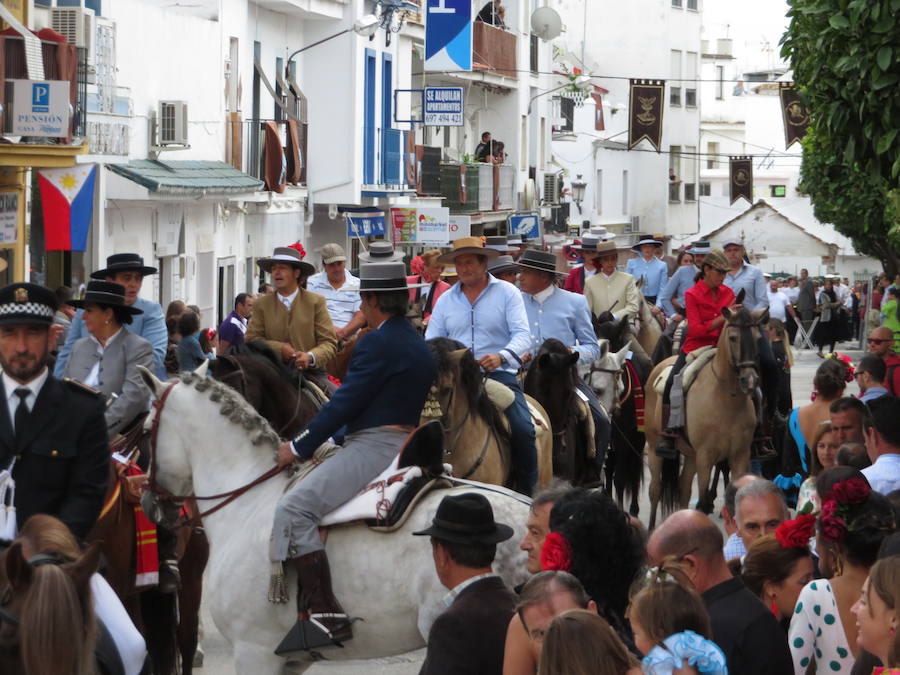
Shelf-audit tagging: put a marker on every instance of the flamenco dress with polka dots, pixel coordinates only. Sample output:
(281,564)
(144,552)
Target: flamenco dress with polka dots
(816,632)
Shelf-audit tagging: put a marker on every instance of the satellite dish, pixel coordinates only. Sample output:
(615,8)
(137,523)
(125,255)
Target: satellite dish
(545,23)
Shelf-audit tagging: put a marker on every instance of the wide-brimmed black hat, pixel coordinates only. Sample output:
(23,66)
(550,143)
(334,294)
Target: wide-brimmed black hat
(588,244)
(25,303)
(644,241)
(287,256)
(466,519)
(502,264)
(381,251)
(700,247)
(542,261)
(382,277)
(107,294)
(123,262)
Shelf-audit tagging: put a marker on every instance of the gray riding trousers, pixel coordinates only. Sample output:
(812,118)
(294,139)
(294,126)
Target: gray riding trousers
(363,457)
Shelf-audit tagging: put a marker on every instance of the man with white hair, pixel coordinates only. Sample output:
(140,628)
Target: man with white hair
(759,509)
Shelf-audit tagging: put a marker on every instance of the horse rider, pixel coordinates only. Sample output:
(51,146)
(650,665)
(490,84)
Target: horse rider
(293,321)
(379,403)
(53,437)
(503,267)
(129,270)
(578,276)
(671,300)
(749,278)
(340,290)
(704,302)
(648,267)
(611,294)
(556,313)
(488,316)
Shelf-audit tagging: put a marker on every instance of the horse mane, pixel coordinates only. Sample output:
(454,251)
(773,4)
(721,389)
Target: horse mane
(57,628)
(470,382)
(262,353)
(234,407)
(553,387)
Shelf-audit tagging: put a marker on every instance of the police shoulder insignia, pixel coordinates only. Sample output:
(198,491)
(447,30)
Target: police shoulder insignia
(75,384)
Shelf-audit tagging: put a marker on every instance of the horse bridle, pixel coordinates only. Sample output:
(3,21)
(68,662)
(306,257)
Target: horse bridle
(164,495)
(457,431)
(622,380)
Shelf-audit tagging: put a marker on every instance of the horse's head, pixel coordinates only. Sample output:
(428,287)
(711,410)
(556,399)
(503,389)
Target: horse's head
(739,337)
(616,331)
(459,375)
(554,362)
(46,615)
(605,375)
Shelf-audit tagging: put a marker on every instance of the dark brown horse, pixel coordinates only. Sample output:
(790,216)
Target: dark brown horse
(551,381)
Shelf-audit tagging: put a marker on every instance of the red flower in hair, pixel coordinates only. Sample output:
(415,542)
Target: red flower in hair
(297,246)
(555,553)
(417,266)
(796,533)
(851,491)
(830,522)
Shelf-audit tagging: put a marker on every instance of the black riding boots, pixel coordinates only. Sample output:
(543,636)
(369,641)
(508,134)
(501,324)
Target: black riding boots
(321,621)
(666,447)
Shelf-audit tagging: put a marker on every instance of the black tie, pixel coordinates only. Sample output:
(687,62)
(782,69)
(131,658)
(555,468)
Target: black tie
(22,412)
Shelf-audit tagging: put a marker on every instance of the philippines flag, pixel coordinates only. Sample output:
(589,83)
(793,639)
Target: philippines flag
(67,198)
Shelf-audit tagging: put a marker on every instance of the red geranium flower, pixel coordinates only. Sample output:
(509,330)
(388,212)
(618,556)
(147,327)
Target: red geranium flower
(796,533)
(555,553)
(851,491)
(831,524)
(298,247)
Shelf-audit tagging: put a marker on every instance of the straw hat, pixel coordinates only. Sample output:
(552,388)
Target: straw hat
(467,246)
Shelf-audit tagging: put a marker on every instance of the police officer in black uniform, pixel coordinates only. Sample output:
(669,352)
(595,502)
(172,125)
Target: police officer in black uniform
(52,432)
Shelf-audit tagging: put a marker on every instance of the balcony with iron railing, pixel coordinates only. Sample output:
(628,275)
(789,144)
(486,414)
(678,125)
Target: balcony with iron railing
(61,62)
(254,145)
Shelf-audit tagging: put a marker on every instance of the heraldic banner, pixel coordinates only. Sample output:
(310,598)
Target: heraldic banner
(794,113)
(741,171)
(645,112)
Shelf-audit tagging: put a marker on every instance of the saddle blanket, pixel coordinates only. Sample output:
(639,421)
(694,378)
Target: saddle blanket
(695,361)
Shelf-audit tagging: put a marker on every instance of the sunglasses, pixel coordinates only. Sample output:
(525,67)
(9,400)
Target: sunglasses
(877,341)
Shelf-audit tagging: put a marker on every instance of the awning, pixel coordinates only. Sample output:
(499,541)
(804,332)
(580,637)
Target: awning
(187,177)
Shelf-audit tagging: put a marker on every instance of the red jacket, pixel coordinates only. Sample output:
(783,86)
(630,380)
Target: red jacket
(575,280)
(892,379)
(702,307)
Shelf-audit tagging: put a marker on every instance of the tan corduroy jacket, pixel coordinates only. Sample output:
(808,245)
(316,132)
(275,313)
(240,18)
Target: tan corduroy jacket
(307,327)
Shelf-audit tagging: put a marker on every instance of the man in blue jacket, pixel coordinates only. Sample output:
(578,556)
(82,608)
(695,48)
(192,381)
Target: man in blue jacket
(129,270)
(379,403)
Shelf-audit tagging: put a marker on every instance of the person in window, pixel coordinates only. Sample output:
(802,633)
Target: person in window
(492,14)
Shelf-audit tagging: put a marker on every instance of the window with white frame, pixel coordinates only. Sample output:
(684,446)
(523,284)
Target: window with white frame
(689,168)
(690,91)
(705,189)
(712,155)
(675,70)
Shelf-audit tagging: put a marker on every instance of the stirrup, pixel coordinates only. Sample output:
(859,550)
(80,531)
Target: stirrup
(311,633)
(666,447)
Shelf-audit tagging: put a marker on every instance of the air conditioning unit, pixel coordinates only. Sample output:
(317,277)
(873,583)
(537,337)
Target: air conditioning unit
(551,188)
(634,226)
(76,23)
(172,123)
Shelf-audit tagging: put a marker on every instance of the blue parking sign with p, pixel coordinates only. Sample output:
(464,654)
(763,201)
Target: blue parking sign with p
(40,97)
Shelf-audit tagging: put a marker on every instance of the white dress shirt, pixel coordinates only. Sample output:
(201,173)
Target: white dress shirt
(93,377)
(459,588)
(12,399)
(288,300)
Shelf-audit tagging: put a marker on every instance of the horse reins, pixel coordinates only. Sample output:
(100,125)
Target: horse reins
(457,432)
(227,497)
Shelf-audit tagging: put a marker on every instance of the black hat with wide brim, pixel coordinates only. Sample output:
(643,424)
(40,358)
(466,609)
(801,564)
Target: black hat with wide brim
(105,294)
(123,262)
(542,261)
(466,519)
(286,256)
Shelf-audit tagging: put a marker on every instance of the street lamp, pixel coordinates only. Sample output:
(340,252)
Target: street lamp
(578,186)
(365,26)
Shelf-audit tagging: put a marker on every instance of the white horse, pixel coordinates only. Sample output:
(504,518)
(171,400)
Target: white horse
(205,445)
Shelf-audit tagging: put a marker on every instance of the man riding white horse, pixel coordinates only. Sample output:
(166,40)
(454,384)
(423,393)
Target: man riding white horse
(557,313)
(488,316)
(379,403)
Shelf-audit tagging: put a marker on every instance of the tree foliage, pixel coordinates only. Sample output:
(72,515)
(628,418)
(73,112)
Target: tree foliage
(846,60)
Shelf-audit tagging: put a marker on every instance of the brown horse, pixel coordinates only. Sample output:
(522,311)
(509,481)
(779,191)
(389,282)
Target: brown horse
(720,416)
(47,622)
(476,441)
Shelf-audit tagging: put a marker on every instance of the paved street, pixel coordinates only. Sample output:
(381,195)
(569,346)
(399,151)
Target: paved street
(218,656)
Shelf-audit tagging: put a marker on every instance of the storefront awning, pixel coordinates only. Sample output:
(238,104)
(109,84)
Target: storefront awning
(187,177)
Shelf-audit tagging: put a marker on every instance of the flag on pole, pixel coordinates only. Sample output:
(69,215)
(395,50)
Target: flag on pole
(741,174)
(793,112)
(645,112)
(67,198)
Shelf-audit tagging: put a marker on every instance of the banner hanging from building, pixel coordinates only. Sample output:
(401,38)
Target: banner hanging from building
(365,223)
(67,201)
(448,35)
(598,111)
(741,172)
(645,112)
(794,113)
(403,225)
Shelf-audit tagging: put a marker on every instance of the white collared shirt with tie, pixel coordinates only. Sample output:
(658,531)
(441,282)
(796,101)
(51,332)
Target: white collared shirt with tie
(12,399)
(288,300)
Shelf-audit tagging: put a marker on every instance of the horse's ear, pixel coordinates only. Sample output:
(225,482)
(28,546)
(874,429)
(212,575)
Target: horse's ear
(760,316)
(18,571)
(457,354)
(726,312)
(86,565)
(154,384)
(573,358)
(622,354)
(202,368)
(639,283)
(740,296)
(604,349)
(543,361)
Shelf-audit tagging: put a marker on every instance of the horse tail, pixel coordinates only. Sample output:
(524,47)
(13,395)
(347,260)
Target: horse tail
(160,618)
(58,636)
(669,477)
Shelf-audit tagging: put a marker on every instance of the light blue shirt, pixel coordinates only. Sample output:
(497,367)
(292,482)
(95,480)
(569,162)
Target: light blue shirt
(884,474)
(654,272)
(343,303)
(751,280)
(734,548)
(872,393)
(150,325)
(679,282)
(562,315)
(495,324)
